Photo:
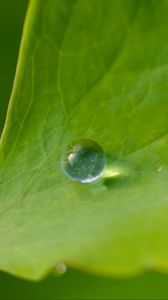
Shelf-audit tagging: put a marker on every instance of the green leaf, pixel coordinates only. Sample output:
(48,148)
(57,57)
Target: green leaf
(87,69)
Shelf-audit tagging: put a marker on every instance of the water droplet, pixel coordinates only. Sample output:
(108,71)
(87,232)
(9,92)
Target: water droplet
(61,268)
(83,160)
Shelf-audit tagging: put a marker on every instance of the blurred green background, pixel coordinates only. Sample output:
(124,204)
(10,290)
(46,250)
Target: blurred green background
(73,284)
(11,21)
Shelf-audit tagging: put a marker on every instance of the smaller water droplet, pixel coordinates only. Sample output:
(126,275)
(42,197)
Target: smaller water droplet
(83,160)
(61,268)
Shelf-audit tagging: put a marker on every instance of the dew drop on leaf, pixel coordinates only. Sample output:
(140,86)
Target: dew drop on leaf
(83,160)
(61,268)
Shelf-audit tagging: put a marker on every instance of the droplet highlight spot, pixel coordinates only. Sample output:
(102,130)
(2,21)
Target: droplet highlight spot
(83,160)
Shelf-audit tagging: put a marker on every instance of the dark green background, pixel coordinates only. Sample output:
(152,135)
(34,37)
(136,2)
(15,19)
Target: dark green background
(11,22)
(74,284)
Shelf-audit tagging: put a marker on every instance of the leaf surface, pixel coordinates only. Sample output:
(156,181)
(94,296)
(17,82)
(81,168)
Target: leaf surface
(97,70)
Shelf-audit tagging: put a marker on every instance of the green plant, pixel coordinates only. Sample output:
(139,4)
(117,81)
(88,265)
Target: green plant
(87,69)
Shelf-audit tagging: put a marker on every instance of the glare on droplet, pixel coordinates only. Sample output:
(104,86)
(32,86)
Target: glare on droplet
(83,160)
(71,158)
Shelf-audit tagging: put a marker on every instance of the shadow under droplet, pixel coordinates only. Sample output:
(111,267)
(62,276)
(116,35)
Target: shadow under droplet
(115,182)
(116,173)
